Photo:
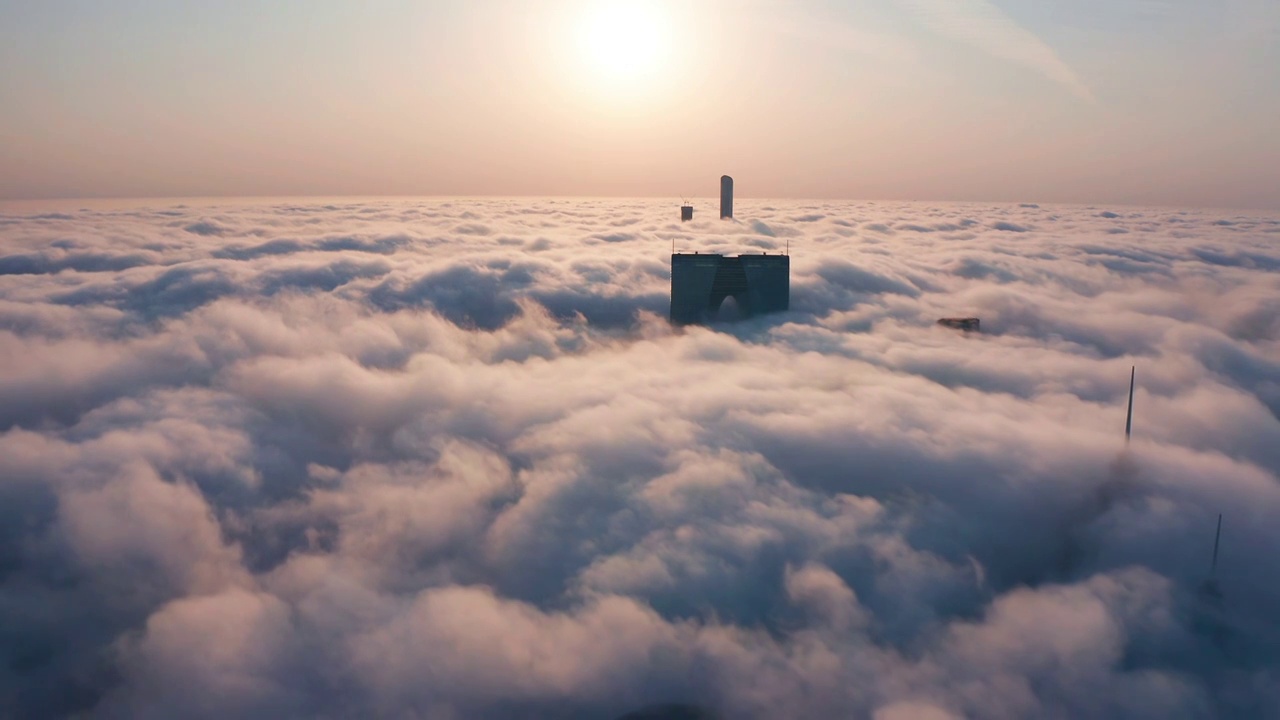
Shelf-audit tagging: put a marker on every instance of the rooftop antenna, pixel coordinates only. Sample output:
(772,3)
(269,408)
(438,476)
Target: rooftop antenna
(1128,421)
(1211,615)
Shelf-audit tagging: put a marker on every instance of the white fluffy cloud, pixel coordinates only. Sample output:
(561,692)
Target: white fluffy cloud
(447,459)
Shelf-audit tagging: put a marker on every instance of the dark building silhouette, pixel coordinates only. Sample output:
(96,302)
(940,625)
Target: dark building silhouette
(726,197)
(700,283)
(968,324)
(686,213)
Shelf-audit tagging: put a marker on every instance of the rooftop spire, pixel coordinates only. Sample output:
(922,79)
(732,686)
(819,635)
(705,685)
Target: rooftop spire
(1128,421)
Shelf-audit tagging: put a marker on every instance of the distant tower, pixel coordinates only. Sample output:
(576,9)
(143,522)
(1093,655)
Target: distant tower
(686,213)
(1210,616)
(1128,421)
(726,197)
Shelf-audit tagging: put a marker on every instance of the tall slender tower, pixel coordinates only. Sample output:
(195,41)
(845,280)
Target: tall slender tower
(726,197)
(1211,616)
(1128,420)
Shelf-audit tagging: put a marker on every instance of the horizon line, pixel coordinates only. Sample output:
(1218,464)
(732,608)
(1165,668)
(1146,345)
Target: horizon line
(204,199)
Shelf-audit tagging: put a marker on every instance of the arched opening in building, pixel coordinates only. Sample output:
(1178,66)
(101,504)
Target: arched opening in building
(731,309)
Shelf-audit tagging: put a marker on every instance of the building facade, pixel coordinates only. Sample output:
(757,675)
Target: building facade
(759,284)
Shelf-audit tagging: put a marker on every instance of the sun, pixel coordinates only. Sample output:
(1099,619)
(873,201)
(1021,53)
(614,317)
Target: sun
(625,42)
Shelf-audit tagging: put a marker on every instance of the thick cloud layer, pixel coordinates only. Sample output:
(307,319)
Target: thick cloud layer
(447,459)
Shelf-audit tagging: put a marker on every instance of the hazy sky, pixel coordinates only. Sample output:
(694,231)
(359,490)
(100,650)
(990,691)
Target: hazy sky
(1139,101)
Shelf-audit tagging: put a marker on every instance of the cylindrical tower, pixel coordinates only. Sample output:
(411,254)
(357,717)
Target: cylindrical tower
(726,197)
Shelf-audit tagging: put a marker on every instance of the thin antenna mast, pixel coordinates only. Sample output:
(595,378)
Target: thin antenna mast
(1128,421)
(1213,569)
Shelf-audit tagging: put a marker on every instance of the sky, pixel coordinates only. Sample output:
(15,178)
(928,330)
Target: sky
(1155,102)
(446,458)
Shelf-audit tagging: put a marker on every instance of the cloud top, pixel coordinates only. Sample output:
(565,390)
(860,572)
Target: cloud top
(447,459)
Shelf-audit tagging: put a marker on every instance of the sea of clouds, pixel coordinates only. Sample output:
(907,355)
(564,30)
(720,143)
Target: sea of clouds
(448,459)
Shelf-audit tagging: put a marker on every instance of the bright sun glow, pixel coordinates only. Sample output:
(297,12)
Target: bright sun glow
(625,42)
